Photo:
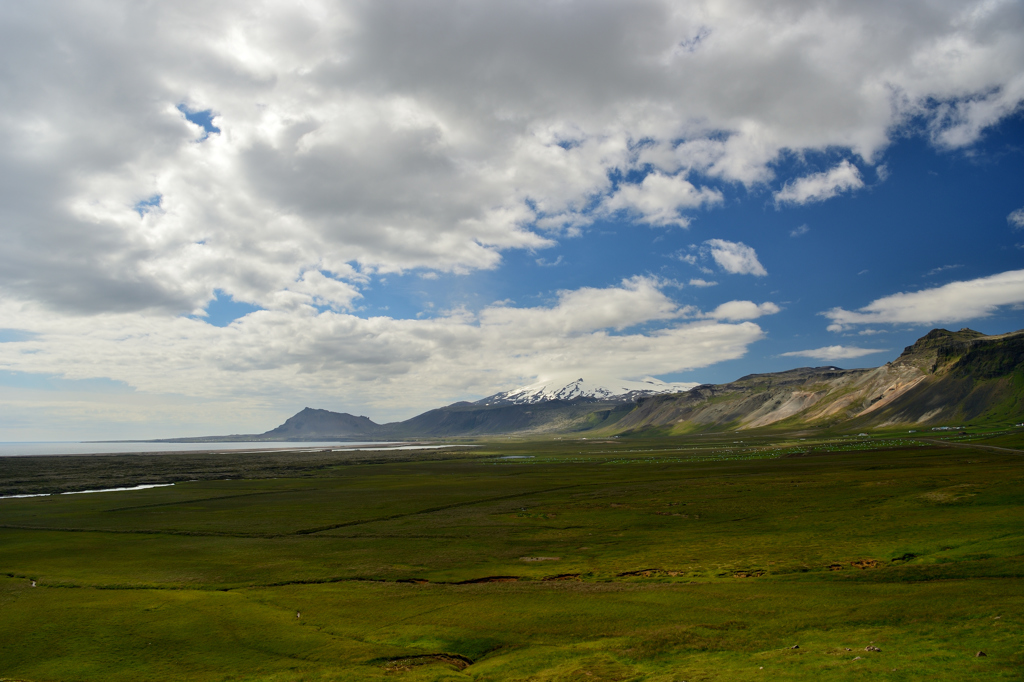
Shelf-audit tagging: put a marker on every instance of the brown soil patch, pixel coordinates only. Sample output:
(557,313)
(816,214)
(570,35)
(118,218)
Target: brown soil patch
(865,563)
(756,573)
(835,567)
(490,579)
(951,494)
(540,558)
(564,576)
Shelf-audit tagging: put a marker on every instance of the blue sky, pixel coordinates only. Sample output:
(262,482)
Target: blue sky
(939,216)
(384,207)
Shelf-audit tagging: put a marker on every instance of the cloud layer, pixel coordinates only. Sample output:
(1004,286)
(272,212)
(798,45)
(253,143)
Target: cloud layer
(833,353)
(375,137)
(396,366)
(953,302)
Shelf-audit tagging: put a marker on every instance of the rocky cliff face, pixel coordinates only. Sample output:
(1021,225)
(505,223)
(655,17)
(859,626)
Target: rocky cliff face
(967,377)
(943,377)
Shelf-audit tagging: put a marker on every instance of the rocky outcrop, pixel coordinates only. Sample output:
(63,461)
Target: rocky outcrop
(311,424)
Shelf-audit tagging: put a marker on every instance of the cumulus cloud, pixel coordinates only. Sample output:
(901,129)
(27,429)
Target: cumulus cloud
(742,310)
(636,300)
(658,199)
(1016,219)
(396,135)
(799,231)
(820,186)
(953,302)
(702,283)
(833,353)
(735,257)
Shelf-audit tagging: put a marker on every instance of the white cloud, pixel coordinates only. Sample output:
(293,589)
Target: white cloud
(834,353)
(1016,219)
(742,310)
(316,288)
(282,359)
(820,186)
(658,199)
(953,302)
(702,283)
(798,231)
(636,300)
(942,268)
(689,258)
(390,135)
(735,257)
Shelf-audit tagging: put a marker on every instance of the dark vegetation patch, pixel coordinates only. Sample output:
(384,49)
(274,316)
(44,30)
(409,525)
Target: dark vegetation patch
(904,557)
(649,573)
(65,473)
(405,663)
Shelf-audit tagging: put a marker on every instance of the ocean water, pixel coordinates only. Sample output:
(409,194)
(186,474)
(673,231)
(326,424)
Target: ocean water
(77,448)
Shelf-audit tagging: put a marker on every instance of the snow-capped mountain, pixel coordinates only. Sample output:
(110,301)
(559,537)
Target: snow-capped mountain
(619,390)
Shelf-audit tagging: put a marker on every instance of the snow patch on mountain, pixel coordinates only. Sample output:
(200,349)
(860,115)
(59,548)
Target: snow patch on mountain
(616,389)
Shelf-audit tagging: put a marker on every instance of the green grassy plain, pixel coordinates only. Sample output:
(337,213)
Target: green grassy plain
(696,558)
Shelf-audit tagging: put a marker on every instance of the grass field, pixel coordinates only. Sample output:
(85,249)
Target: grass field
(726,558)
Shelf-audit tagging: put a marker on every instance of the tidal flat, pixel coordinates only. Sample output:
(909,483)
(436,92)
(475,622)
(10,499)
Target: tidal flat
(729,557)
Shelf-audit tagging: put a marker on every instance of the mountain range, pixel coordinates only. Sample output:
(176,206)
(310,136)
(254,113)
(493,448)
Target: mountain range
(945,378)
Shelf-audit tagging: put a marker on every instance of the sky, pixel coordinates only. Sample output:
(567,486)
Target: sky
(216,213)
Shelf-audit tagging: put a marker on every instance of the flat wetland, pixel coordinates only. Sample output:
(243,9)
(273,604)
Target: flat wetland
(729,557)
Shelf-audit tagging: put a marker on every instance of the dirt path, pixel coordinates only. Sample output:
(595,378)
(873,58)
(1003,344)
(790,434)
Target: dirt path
(935,441)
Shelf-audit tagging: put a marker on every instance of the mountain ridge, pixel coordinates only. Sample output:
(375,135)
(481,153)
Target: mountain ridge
(942,378)
(626,391)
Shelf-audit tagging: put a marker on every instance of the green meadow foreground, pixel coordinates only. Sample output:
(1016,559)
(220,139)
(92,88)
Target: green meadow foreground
(726,558)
